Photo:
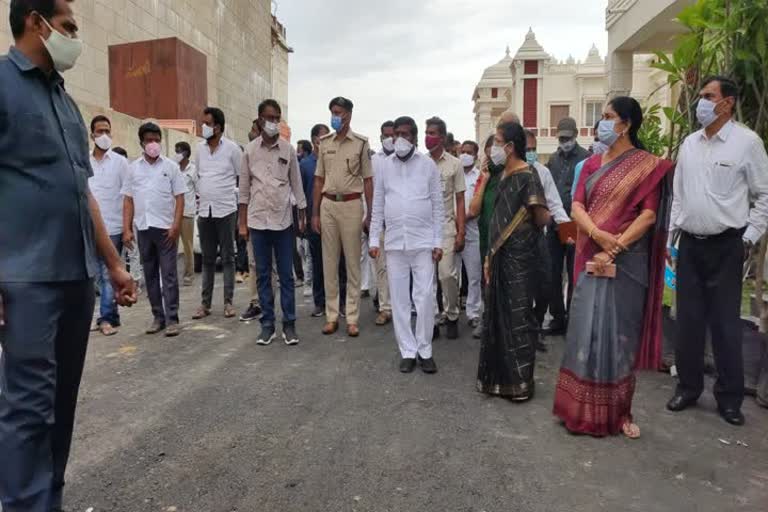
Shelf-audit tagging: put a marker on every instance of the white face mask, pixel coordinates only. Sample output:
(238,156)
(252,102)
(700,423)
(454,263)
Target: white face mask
(498,155)
(271,129)
(467,160)
(705,112)
(207,132)
(103,141)
(388,144)
(63,50)
(403,147)
(178,157)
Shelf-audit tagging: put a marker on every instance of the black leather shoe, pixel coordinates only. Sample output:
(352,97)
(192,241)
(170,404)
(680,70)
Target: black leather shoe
(679,403)
(407,365)
(732,416)
(428,365)
(452,329)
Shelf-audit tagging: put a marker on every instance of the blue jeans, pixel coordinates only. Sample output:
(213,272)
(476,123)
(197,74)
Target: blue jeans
(107,305)
(281,243)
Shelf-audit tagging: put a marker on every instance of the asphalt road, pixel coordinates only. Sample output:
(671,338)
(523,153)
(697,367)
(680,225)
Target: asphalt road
(209,421)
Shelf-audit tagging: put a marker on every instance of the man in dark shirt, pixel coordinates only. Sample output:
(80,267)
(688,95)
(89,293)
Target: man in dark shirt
(562,164)
(307,166)
(51,237)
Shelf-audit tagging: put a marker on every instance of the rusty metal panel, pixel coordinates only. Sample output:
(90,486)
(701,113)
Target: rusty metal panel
(161,78)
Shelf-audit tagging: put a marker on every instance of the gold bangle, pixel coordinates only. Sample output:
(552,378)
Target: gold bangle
(592,231)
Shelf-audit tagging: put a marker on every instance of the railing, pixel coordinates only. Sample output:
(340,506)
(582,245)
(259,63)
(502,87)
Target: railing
(616,9)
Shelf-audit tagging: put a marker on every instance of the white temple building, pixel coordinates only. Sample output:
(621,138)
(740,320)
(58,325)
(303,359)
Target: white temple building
(543,90)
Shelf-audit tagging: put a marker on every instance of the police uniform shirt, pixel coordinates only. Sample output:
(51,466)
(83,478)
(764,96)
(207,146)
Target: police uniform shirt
(344,163)
(452,177)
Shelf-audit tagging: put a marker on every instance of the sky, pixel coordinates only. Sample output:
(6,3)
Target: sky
(417,57)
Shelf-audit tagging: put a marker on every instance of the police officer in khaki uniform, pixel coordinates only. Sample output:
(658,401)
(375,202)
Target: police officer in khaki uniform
(454,185)
(344,173)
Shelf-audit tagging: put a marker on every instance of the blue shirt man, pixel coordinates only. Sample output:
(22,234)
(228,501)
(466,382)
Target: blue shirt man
(52,231)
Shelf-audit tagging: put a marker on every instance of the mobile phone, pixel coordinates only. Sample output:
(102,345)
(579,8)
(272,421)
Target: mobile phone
(608,271)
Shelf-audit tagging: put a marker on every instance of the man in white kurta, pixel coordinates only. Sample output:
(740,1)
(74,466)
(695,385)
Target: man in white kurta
(408,198)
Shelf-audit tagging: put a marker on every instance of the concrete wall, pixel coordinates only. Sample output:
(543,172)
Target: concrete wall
(235,36)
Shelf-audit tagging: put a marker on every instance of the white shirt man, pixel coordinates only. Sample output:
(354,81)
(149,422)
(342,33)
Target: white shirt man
(152,191)
(154,188)
(719,169)
(106,185)
(380,263)
(217,161)
(469,258)
(217,178)
(554,203)
(408,198)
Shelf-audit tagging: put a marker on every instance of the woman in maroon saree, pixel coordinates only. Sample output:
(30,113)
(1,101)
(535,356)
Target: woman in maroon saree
(621,208)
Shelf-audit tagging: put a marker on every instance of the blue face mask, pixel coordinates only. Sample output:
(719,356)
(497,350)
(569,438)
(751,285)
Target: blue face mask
(336,123)
(531,157)
(606,133)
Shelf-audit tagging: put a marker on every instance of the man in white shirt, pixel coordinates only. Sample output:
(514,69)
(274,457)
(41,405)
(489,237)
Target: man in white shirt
(719,169)
(183,154)
(452,177)
(109,172)
(217,162)
(154,204)
(408,198)
(547,277)
(269,176)
(470,256)
(382,300)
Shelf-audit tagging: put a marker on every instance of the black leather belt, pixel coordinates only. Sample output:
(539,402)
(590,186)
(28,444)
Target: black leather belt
(728,233)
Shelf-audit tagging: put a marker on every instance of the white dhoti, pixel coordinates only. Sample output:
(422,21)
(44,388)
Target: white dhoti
(400,266)
(470,259)
(365,265)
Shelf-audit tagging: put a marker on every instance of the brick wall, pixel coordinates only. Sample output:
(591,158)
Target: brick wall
(235,35)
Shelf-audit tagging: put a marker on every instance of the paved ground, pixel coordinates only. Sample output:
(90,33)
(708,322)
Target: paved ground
(210,422)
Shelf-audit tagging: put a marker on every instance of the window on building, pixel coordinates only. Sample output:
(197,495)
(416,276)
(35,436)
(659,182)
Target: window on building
(557,113)
(495,92)
(593,111)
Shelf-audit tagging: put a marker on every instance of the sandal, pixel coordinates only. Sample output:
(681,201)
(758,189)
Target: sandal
(107,329)
(229,311)
(201,312)
(630,430)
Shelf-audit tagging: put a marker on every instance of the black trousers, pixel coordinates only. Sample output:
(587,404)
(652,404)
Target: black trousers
(217,233)
(318,284)
(44,342)
(560,255)
(709,295)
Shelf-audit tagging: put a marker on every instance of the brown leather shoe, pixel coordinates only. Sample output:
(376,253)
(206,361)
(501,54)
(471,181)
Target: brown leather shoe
(201,312)
(353,331)
(330,328)
(384,318)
